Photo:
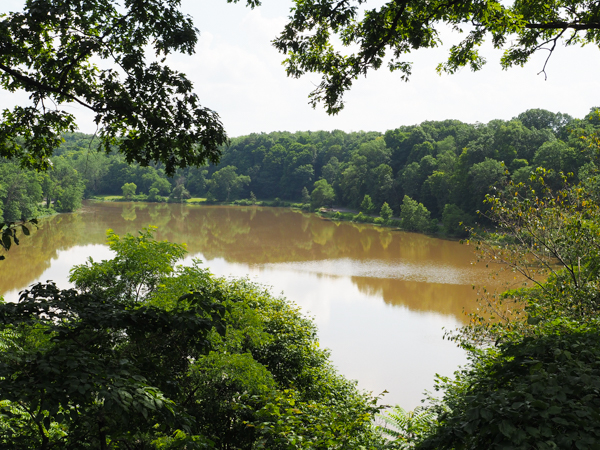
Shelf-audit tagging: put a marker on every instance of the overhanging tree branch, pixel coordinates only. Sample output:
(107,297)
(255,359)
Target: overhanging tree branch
(41,87)
(563,25)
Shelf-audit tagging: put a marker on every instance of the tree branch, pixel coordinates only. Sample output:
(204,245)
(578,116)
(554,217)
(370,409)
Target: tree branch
(43,87)
(389,35)
(563,25)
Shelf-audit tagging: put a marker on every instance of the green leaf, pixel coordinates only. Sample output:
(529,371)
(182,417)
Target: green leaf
(506,428)
(6,241)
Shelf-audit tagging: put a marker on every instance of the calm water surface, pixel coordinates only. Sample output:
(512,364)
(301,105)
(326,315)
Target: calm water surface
(380,298)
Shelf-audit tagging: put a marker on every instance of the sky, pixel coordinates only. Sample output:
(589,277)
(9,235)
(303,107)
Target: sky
(239,74)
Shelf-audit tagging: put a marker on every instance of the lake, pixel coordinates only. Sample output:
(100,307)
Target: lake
(381,298)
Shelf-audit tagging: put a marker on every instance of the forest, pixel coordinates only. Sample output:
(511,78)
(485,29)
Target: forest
(443,170)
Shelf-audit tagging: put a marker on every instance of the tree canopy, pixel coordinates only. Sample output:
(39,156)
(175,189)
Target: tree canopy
(435,163)
(533,374)
(98,54)
(393,30)
(110,58)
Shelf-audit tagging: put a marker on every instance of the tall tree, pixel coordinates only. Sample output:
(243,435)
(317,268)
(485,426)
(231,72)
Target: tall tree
(226,184)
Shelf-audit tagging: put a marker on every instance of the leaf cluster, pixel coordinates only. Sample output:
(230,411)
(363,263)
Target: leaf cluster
(95,367)
(8,233)
(539,392)
(147,355)
(533,376)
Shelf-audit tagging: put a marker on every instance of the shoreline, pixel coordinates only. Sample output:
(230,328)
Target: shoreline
(334,213)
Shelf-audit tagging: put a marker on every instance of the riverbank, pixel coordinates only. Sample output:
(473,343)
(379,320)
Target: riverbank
(335,213)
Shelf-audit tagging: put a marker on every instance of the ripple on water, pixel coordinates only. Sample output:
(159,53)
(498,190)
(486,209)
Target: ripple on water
(396,269)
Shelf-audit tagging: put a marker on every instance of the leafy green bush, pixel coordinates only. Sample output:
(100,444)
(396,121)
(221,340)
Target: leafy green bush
(361,218)
(538,392)
(129,190)
(414,216)
(386,212)
(147,354)
(406,428)
(342,216)
(367,205)
(243,202)
(153,196)
(534,376)
(322,195)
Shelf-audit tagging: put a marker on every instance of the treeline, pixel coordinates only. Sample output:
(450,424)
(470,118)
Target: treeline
(442,169)
(446,166)
(25,193)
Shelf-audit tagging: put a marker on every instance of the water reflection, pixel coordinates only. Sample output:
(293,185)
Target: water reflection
(420,272)
(339,272)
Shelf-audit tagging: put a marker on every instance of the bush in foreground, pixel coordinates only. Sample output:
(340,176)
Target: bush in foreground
(540,392)
(146,354)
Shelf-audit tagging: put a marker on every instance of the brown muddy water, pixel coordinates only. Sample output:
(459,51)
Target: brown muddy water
(381,298)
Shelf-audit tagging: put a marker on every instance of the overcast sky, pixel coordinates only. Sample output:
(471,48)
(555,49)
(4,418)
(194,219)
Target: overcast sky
(238,73)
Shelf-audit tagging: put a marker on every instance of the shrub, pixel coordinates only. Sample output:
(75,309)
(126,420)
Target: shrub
(538,392)
(367,205)
(129,190)
(322,195)
(361,218)
(386,212)
(143,349)
(413,215)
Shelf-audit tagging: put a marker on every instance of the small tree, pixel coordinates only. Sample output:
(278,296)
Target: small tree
(252,198)
(386,212)
(179,193)
(305,195)
(129,190)
(70,197)
(322,194)
(226,185)
(153,195)
(413,215)
(163,186)
(367,205)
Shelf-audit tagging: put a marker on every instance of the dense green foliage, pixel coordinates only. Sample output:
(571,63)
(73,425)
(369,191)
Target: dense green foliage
(143,354)
(448,167)
(265,382)
(344,39)
(406,428)
(95,53)
(538,392)
(434,163)
(25,194)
